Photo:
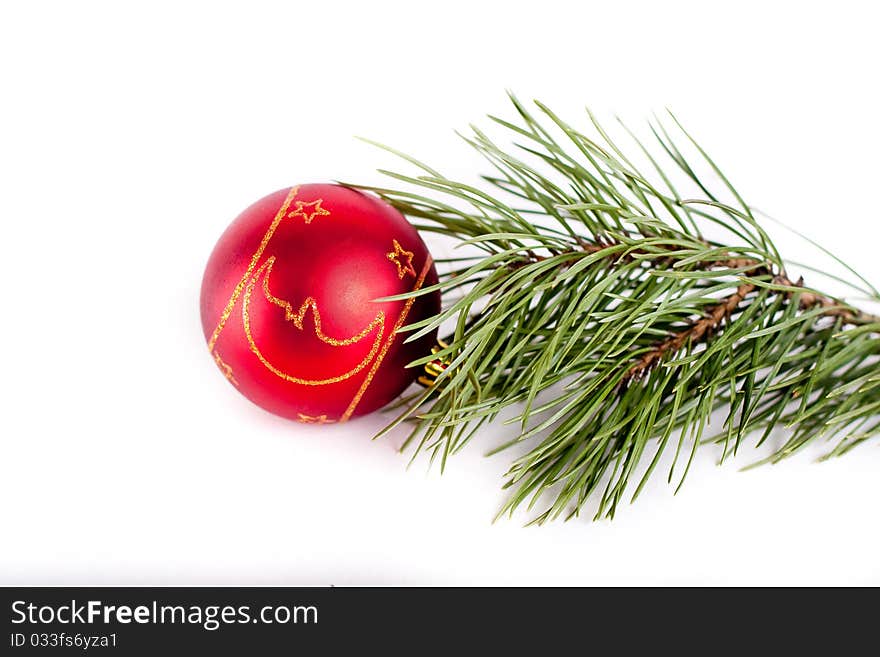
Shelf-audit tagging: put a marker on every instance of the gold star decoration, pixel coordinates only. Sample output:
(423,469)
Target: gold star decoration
(397,256)
(225,368)
(308,211)
(314,419)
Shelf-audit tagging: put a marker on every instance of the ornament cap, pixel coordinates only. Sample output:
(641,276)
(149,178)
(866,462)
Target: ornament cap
(436,367)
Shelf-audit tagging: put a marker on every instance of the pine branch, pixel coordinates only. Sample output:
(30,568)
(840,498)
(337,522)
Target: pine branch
(695,333)
(596,309)
(702,328)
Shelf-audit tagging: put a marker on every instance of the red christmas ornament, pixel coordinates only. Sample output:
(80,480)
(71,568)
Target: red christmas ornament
(288,304)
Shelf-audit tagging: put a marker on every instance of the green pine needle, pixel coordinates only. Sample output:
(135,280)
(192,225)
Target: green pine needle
(598,313)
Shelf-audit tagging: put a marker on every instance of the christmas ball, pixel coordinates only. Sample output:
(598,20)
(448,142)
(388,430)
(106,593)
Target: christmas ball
(289,302)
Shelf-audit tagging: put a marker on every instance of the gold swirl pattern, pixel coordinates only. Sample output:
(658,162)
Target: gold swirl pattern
(385,347)
(297,319)
(227,311)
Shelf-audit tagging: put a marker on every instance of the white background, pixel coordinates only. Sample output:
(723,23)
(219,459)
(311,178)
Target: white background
(131,135)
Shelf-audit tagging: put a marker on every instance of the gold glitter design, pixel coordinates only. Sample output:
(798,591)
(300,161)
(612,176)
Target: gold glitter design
(297,319)
(227,311)
(394,256)
(313,419)
(310,302)
(400,320)
(225,368)
(316,210)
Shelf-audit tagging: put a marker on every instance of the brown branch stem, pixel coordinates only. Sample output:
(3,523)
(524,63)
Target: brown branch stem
(702,328)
